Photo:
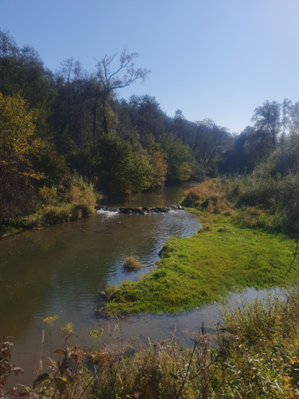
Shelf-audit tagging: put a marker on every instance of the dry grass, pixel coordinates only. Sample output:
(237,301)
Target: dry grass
(62,204)
(210,196)
(131,264)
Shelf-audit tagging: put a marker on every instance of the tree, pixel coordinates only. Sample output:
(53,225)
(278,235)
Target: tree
(121,170)
(148,118)
(258,144)
(211,141)
(267,119)
(159,168)
(294,125)
(17,145)
(285,120)
(22,72)
(123,76)
(72,110)
(179,158)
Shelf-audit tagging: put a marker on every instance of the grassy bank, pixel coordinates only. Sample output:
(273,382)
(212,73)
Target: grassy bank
(73,201)
(227,254)
(257,356)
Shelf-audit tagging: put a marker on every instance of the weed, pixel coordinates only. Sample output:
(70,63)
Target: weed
(97,334)
(50,320)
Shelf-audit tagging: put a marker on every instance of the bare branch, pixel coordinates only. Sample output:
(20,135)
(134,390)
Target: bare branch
(123,76)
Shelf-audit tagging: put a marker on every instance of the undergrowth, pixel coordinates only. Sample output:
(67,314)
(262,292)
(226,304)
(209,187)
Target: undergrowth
(73,201)
(255,354)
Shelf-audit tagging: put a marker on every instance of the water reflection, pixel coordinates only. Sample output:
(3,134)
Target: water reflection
(61,269)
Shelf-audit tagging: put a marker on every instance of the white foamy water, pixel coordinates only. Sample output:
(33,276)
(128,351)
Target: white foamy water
(108,213)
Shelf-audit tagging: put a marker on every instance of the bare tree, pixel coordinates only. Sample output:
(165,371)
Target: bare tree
(267,119)
(109,81)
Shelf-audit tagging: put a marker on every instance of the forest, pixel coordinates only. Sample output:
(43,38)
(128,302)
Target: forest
(67,134)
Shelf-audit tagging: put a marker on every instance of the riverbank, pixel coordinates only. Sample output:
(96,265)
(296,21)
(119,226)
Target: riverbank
(227,254)
(61,204)
(256,356)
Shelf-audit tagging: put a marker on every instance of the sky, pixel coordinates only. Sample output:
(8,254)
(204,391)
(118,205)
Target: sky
(217,59)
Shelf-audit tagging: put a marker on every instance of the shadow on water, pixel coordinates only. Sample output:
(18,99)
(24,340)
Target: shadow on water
(61,270)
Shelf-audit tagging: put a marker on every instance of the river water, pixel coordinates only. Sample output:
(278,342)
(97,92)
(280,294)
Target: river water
(61,270)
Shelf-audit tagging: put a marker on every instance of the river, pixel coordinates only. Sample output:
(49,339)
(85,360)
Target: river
(61,270)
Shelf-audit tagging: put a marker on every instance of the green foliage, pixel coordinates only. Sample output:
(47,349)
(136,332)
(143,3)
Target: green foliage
(267,120)
(121,170)
(272,186)
(52,164)
(17,145)
(22,73)
(71,202)
(179,158)
(159,168)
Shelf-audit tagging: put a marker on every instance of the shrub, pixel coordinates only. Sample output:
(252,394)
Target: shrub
(74,201)
(209,195)
(48,195)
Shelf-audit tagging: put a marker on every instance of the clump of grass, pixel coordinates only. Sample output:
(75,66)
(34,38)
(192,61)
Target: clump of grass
(131,264)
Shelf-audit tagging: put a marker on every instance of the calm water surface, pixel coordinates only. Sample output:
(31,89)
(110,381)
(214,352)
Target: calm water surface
(62,269)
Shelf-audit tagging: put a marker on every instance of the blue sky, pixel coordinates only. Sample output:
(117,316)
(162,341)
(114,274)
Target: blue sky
(214,59)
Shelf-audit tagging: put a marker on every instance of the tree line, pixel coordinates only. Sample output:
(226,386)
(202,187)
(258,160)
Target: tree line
(53,125)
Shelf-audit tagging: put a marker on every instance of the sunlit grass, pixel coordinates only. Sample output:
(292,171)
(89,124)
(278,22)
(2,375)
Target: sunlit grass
(201,269)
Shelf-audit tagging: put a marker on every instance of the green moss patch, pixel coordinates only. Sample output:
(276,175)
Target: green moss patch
(204,268)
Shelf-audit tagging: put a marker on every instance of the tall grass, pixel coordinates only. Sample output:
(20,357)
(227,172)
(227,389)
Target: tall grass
(255,200)
(255,354)
(74,201)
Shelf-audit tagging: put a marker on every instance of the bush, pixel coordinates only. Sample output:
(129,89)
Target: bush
(209,195)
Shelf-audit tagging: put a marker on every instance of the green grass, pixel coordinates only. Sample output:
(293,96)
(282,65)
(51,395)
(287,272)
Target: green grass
(204,268)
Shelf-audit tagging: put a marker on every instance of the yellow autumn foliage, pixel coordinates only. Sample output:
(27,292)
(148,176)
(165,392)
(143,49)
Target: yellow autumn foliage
(17,146)
(17,141)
